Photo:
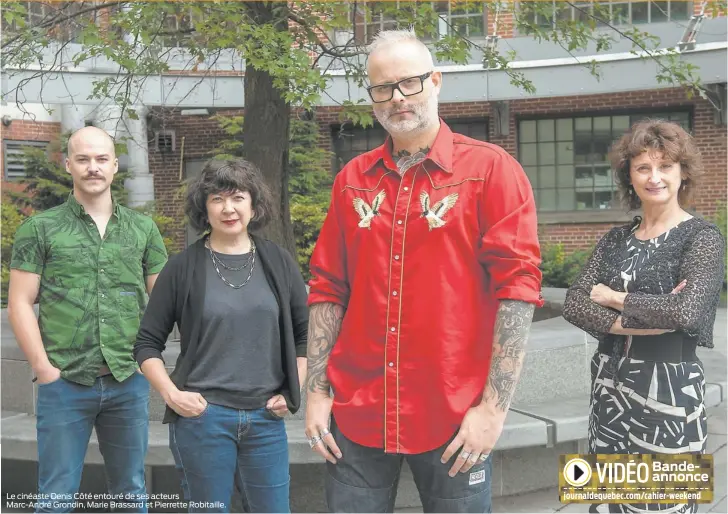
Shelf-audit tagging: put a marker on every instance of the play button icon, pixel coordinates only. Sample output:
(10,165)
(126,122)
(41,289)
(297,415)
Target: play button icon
(577,472)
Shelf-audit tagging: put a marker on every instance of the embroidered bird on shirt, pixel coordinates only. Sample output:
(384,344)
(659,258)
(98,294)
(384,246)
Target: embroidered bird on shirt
(435,215)
(366,212)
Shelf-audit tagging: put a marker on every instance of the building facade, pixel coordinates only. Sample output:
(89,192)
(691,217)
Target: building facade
(560,135)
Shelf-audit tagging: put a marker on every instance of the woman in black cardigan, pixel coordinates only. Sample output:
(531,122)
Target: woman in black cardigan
(649,294)
(240,304)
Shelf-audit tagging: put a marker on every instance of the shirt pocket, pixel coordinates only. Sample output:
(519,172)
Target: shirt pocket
(71,267)
(130,264)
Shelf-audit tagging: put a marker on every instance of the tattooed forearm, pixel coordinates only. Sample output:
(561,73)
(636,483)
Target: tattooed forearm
(324,323)
(512,325)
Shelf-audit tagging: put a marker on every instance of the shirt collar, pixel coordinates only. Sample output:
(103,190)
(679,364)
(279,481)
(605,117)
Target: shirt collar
(440,154)
(79,211)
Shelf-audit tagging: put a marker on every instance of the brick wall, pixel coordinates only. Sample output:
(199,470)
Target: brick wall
(711,140)
(201,134)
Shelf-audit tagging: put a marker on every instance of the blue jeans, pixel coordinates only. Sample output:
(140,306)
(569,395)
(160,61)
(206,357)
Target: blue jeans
(66,414)
(224,446)
(366,480)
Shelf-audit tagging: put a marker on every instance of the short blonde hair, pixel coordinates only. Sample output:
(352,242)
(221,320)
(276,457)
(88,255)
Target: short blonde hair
(390,37)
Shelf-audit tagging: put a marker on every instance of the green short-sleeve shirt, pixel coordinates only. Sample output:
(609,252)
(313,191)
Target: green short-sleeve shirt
(92,290)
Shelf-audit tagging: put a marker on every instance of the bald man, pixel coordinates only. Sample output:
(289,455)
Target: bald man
(425,277)
(90,262)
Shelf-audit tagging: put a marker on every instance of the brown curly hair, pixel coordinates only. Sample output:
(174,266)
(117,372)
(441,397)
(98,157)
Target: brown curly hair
(663,136)
(227,176)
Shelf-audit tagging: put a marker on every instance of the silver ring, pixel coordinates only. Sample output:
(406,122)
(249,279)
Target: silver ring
(474,458)
(314,441)
(465,455)
(483,457)
(325,432)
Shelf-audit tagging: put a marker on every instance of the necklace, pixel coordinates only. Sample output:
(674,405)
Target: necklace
(216,263)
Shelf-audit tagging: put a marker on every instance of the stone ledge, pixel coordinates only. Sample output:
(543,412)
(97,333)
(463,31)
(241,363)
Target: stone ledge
(20,443)
(568,419)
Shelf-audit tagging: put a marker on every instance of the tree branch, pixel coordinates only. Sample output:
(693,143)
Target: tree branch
(54,21)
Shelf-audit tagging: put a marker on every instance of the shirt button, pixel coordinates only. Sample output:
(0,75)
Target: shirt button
(399,222)
(103,295)
(391,364)
(392,329)
(103,320)
(396,257)
(101,270)
(406,188)
(394,293)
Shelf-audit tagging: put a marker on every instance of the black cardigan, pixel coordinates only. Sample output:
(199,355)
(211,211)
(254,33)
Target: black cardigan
(695,251)
(179,295)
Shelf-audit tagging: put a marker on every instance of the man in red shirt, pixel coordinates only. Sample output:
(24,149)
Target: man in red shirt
(425,276)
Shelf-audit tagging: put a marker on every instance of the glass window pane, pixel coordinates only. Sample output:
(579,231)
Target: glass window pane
(639,12)
(358,142)
(600,148)
(546,153)
(582,14)
(679,10)
(565,153)
(532,174)
(565,176)
(564,129)
(528,154)
(658,11)
(583,124)
(475,25)
(527,131)
(584,201)
(603,200)
(546,176)
(602,124)
(546,131)
(620,125)
(547,200)
(683,118)
(620,13)
(566,199)
(584,178)
(602,178)
(441,7)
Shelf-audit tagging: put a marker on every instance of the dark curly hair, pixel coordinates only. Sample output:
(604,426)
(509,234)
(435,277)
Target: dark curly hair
(661,136)
(226,177)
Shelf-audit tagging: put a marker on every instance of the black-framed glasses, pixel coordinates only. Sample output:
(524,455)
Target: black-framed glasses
(407,87)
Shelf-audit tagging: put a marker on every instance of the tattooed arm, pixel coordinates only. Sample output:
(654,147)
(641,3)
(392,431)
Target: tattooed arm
(323,329)
(512,325)
(483,424)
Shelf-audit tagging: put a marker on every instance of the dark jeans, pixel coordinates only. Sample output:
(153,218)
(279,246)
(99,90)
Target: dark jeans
(67,412)
(366,479)
(223,446)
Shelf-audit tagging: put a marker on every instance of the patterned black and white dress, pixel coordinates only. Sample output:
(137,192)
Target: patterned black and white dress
(650,405)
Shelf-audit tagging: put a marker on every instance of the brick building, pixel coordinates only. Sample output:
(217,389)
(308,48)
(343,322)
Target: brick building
(560,135)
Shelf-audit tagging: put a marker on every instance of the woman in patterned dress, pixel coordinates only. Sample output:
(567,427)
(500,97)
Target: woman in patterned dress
(649,294)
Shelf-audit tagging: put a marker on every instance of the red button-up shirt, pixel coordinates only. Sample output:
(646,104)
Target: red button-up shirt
(420,262)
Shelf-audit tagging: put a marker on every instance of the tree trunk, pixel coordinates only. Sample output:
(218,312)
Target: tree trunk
(266,132)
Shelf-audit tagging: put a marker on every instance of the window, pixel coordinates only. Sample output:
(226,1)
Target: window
(351,141)
(66,24)
(617,12)
(14,157)
(465,18)
(566,159)
(177,25)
